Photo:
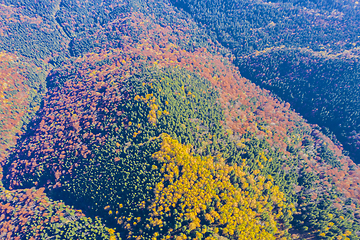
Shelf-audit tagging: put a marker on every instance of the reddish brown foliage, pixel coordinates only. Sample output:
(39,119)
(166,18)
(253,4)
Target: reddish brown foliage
(21,206)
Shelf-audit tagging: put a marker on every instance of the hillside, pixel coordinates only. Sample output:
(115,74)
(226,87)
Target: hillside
(307,52)
(134,123)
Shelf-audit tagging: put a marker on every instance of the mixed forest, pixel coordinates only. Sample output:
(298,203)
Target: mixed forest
(133,119)
(306,52)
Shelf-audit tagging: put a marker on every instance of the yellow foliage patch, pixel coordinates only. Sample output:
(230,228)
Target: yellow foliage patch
(201,190)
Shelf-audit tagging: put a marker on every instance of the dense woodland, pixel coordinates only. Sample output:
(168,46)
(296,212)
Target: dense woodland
(307,52)
(132,122)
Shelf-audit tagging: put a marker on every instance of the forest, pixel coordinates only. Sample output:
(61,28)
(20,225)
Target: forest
(306,52)
(133,120)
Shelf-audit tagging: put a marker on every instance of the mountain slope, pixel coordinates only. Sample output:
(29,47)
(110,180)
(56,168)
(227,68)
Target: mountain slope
(307,52)
(148,126)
